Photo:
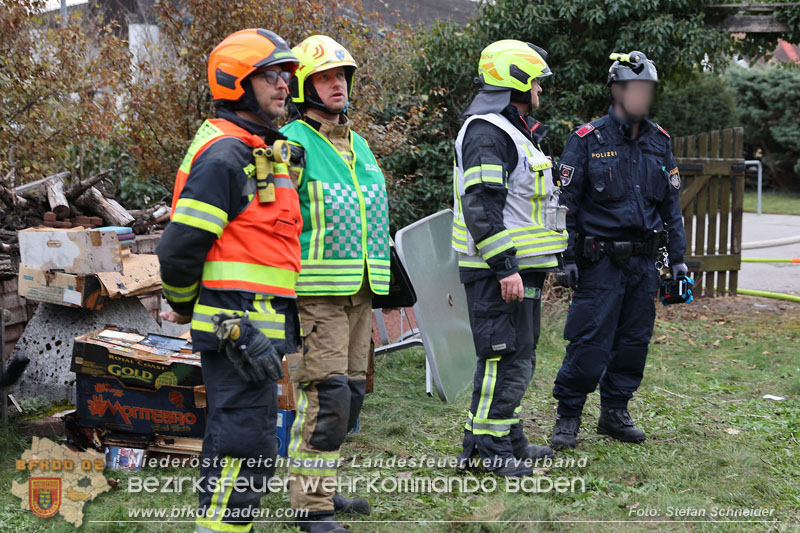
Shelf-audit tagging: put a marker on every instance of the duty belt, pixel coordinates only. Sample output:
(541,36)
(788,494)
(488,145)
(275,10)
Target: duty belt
(592,249)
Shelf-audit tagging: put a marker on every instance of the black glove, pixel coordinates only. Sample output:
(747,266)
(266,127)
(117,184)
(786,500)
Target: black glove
(679,270)
(569,278)
(253,354)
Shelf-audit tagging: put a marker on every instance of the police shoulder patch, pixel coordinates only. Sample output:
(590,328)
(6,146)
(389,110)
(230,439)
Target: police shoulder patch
(675,178)
(662,130)
(565,173)
(585,129)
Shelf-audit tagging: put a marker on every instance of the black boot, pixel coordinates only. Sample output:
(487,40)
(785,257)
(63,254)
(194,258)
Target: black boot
(534,451)
(320,522)
(469,452)
(617,423)
(510,467)
(565,432)
(348,505)
(524,449)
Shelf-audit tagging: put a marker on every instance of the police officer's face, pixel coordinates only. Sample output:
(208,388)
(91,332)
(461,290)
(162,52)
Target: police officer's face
(271,96)
(331,86)
(637,96)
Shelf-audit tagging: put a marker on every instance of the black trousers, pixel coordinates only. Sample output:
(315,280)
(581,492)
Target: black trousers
(609,326)
(505,336)
(240,426)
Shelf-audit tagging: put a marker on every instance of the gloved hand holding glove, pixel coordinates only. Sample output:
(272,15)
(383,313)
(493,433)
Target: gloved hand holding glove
(250,351)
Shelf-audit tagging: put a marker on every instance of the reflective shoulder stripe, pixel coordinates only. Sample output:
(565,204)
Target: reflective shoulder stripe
(200,215)
(207,132)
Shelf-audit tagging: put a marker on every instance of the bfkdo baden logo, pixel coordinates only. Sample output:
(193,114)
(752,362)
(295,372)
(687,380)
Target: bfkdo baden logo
(44,495)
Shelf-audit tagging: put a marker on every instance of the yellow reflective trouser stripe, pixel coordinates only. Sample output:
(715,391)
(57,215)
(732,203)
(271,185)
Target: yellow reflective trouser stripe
(200,215)
(270,324)
(497,243)
(180,294)
(491,426)
(487,387)
(481,424)
(219,501)
(296,436)
(267,275)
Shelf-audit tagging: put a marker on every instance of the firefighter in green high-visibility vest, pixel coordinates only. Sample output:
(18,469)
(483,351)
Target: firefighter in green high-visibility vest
(345,261)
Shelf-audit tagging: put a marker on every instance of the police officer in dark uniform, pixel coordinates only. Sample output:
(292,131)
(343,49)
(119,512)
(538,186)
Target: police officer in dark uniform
(621,186)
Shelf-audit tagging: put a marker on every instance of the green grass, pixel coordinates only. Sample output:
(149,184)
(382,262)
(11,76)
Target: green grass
(712,440)
(773,203)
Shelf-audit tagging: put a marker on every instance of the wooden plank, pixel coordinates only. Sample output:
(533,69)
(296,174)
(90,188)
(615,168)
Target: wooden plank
(693,166)
(713,151)
(738,143)
(38,183)
(701,209)
(724,227)
(687,207)
(691,146)
(721,275)
(711,243)
(677,147)
(706,278)
(691,189)
(708,263)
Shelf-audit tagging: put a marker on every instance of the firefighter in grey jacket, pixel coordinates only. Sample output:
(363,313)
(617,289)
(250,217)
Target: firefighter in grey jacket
(507,231)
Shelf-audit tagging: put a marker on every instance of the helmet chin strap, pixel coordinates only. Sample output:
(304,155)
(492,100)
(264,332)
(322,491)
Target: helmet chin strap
(313,100)
(251,104)
(522,98)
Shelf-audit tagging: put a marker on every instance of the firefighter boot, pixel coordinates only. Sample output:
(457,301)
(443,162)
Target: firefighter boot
(320,522)
(565,432)
(617,423)
(350,505)
(524,449)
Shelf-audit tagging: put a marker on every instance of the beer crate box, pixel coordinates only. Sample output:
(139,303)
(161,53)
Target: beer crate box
(136,360)
(105,402)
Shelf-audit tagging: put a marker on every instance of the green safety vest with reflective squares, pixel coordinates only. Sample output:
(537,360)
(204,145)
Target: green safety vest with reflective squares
(345,216)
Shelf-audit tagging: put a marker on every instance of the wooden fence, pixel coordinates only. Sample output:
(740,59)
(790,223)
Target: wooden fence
(712,170)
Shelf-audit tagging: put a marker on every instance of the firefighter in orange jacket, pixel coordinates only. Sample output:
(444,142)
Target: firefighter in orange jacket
(229,249)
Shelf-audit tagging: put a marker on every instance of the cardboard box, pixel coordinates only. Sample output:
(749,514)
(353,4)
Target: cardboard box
(169,410)
(94,357)
(90,290)
(75,251)
(284,430)
(70,290)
